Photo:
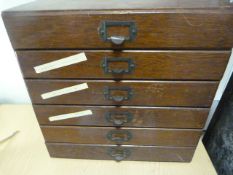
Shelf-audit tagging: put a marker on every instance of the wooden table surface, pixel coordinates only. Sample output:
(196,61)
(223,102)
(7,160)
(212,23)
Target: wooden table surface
(26,154)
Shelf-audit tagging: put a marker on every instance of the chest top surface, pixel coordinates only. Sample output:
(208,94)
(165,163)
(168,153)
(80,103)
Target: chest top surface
(51,5)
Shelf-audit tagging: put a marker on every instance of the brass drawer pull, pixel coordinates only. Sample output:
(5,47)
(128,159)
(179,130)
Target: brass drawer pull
(109,93)
(118,40)
(119,153)
(119,118)
(119,136)
(107,69)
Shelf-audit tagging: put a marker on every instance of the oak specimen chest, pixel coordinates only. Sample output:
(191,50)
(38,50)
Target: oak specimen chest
(122,80)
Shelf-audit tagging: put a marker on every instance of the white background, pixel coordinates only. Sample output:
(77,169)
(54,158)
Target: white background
(12,88)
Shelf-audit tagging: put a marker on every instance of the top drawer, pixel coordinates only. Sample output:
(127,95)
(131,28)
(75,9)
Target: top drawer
(193,29)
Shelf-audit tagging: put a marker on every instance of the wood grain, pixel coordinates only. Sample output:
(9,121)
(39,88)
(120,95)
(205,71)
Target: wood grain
(183,29)
(26,154)
(171,44)
(188,65)
(145,93)
(98,135)
(142,116)
(138,153)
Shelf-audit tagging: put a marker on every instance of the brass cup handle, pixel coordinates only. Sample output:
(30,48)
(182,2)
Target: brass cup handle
(117,71)
(119,153)
(105,64)
(117,40)
(119,136)
(119,118)
(118,98)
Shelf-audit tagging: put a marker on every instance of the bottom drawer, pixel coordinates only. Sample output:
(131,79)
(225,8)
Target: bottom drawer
(118,153)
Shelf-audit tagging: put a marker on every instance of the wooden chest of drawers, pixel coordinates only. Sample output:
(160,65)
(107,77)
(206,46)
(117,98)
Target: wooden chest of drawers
(122,80)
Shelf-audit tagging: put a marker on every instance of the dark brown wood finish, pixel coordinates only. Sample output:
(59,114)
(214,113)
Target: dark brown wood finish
(196,65)
(156,117)
(144,93)
(137,153)
(157,29)
(180,51)
(98,135)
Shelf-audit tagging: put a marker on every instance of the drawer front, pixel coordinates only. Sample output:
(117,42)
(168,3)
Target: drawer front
(196,65)
(144,93)
(111,152)
(128,136)
(159,117)
(153,29)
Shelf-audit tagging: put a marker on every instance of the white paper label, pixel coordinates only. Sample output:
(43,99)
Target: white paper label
(70,115)
(61,63)
(63,91)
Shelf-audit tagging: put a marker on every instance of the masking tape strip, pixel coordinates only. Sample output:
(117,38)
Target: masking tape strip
(70,115)
(61,63)
(63,91)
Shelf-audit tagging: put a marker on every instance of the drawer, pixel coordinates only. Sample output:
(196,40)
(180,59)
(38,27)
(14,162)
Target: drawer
(172,29)
(128,136)
(156,117)
(126,152)
(140,64)
(143,93)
